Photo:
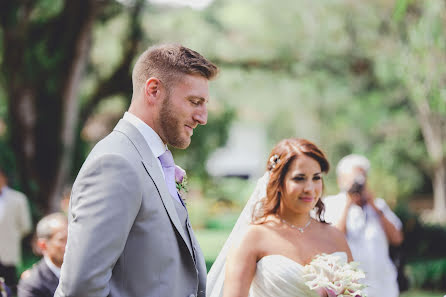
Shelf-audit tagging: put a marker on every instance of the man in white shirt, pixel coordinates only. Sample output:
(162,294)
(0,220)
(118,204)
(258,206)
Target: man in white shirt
(369,224)
(15,223)
(43,278)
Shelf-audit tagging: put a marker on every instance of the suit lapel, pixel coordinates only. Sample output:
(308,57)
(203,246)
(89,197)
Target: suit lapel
(154,172)
(168,202)
(51,280)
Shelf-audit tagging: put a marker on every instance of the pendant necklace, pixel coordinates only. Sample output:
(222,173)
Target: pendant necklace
(300,229)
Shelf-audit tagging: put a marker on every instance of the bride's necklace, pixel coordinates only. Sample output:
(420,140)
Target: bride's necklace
(300,229)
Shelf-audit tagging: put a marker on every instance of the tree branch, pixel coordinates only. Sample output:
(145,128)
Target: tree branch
(277,65)
(119,82)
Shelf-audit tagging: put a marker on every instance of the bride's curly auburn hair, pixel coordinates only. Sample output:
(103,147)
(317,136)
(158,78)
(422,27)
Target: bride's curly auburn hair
(279,161)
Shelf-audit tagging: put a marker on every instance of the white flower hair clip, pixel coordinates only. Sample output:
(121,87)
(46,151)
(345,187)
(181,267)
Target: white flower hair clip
(273,161)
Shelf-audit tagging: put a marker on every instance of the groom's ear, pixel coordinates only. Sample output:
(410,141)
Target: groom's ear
(153,90)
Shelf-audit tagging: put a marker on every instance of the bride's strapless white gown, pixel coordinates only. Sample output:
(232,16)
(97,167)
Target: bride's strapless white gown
(279,276)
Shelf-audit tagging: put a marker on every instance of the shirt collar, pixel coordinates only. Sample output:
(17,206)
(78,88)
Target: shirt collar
(51,266)
(152,138)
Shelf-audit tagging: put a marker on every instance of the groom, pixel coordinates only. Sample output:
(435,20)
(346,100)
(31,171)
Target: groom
(129,232)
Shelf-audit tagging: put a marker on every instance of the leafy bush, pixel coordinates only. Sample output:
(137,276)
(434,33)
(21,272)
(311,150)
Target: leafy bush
(419,293)
(421,240)
(224,221)
(424,251)
(429,274)
(230,192)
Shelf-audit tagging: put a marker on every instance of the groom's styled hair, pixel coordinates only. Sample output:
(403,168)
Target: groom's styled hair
(280,159)
(168,63)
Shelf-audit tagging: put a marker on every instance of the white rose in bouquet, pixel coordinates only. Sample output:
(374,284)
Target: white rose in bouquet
(332,276)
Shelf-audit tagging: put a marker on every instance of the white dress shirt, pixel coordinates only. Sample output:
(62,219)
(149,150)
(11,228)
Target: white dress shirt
(54,269)
(15,223)
(155,143)
(368,242)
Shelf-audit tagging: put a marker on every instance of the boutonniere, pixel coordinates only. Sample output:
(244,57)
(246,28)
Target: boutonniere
(181,180)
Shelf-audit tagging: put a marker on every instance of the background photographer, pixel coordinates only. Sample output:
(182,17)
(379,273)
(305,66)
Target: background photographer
(369,224)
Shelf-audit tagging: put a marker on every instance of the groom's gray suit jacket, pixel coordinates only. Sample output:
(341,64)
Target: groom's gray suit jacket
(126,236)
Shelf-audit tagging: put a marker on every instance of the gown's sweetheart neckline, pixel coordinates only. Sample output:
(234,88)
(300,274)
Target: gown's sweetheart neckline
(291,260)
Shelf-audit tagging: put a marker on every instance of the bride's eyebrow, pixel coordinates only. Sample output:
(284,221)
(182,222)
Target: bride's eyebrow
(300,174)
(303,174)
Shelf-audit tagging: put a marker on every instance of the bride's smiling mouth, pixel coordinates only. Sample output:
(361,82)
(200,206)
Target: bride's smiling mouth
(306,198)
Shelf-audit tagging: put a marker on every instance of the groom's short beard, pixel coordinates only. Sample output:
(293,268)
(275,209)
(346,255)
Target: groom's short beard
(171,127)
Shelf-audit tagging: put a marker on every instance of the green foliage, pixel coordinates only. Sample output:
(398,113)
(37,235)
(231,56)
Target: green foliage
(231,190)
(46,9)
(197,207)
(420,239)
(422,251)
(419,293)
(205,140)
(223,221)
(211,242)
(428,274)
(225,198)
(7,160)
(28,260)
(400,9)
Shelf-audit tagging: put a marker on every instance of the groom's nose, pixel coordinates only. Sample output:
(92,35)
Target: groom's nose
(201,115)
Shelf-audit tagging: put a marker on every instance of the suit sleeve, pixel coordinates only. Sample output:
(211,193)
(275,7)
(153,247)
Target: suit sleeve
(26,289)
(105,200)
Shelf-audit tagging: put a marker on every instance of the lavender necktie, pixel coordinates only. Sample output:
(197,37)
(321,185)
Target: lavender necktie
(168,165)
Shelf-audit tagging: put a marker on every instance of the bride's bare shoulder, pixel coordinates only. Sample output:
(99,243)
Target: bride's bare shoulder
(262,228)
(331,231)
(337,237)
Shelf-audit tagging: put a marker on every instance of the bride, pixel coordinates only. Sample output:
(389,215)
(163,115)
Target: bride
(280,230)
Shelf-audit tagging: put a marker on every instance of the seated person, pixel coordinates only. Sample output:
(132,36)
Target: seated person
(43,278)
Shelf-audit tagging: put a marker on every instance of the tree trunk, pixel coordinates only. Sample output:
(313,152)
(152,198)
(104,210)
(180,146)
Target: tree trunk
(70,107)
(42,68)
(439,185)
(434,137)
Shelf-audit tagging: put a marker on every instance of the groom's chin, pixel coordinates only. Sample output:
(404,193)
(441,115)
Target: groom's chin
(181,143)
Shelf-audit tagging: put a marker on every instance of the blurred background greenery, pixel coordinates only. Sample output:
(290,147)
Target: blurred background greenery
(365,77)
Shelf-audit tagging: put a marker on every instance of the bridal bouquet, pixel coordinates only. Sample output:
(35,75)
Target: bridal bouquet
(331,275)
